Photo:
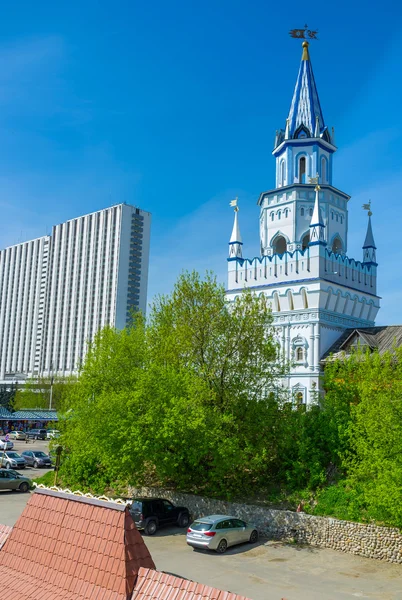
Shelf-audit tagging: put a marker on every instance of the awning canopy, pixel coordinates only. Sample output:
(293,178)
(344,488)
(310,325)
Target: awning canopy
(29,415)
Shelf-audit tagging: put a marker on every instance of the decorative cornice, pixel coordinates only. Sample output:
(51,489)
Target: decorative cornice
(80,494)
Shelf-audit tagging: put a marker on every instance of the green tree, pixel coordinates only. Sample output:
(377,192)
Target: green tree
(364,401)
(189,399)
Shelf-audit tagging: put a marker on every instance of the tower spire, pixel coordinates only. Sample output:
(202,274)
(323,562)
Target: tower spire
(235,242)
(369,247)
(317,222)
(305,107)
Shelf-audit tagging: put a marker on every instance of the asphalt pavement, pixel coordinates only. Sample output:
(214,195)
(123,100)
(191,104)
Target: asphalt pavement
(265,571)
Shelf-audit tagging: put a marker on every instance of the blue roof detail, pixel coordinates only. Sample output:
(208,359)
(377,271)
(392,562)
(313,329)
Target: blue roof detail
(35,415)
(369,241)
(305,105)
(4,413)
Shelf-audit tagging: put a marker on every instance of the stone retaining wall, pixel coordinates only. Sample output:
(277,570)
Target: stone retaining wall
(365,540)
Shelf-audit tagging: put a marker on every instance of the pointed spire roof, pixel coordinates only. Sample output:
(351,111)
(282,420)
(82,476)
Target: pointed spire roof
(369,241)
(316,218)
(305,107)
(235,238)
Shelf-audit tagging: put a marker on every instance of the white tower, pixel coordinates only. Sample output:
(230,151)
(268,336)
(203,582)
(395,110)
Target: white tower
(316,290)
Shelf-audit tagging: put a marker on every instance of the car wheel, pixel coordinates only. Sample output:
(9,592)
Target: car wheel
(254,537)
(8,466)
(222,546)
(24,487)
(184,520)
(35,465)
(151,528)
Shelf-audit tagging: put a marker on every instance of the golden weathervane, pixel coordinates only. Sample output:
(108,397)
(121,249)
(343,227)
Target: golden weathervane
(368,208)
(314,181)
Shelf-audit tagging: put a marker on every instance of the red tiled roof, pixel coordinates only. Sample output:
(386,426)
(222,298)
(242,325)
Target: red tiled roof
(65,547)
(154,585)
(5,531)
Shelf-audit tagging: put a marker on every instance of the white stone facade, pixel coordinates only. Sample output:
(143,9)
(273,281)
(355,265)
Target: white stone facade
(58,291)
(315,290)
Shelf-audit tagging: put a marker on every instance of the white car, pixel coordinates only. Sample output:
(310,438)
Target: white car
(53,434)
(17,435)
(6,445)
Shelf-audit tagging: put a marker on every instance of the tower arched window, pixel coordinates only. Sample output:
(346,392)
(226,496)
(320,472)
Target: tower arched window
(323,170)
(279,215)
(280,245)
(272,216)
(277,305)
(305,241)
(337,246)
(310,212)
(286,211)
(290,300)
(302,212)
(282,172)
(302,169)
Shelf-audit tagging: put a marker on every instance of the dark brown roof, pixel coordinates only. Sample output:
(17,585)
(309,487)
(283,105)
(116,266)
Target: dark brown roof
(154,585)
(384,338)
(66,547)
(5,531)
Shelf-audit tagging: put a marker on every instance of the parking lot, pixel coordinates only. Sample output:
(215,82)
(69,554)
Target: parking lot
(266,571)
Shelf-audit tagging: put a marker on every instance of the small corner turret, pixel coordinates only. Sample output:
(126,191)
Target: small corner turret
(235,243)
(317,226)
(369,247)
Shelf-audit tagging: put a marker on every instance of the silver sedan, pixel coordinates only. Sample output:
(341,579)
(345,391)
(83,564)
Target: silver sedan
(218,532)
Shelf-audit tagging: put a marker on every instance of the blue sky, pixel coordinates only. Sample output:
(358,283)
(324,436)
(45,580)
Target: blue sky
(173,106)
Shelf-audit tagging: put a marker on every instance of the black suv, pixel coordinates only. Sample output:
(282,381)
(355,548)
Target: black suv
(37,434)
(151,513)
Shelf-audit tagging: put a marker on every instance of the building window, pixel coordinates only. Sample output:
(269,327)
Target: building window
(272,216)
(302,212)
(305,241)
(337,246)
(280,245)
(279,215)
(299,354)
(302,170)
(323,170)
(310,212)
(282,169)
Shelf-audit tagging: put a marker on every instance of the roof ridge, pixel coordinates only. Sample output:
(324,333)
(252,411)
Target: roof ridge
(79,496)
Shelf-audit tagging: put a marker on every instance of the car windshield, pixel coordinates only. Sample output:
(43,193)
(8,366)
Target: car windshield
(13,455)
(201,526)
(136,506)
(41,454)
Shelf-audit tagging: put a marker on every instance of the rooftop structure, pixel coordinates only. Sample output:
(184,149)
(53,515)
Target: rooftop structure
(316,290)
(69,546)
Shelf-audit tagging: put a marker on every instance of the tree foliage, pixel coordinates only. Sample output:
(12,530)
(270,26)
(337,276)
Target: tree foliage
(192,398)
(188,399)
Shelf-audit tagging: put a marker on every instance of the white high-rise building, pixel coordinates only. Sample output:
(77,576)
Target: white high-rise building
(316,290)
(57,291)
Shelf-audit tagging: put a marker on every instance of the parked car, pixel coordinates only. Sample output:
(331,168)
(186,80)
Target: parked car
(37,434)
(12,460)
(6,445)
(36,458)
(151,513)
(52,434)
(11,480)
(17,435)
(218,532)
